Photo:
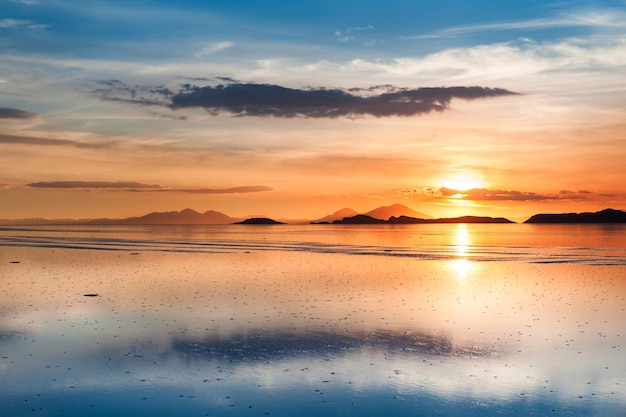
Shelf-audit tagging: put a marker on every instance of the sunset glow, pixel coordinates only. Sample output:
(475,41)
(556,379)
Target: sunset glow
(461,183)
(295,111)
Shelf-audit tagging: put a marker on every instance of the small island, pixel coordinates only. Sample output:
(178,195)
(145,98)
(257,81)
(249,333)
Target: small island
(364,219)
(259,221)
(604,216)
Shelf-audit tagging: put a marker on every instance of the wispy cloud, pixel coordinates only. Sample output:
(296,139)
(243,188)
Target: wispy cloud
(594,19)
(213,48)
(29,140)
(263,100)
(233,190)
(486,195)
(134,186)
(115,90)
(350,33)
(483,194)
(20,24)
(10,113)
(91,184)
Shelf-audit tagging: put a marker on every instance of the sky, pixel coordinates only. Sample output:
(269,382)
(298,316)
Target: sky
(298,109)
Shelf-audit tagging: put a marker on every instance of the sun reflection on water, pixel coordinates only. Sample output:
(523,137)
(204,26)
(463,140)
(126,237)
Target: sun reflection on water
(461,266)
(461,243)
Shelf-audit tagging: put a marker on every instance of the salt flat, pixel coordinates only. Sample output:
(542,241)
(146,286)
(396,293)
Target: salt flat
(332,321)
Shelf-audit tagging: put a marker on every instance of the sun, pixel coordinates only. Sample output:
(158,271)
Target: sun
(461,183)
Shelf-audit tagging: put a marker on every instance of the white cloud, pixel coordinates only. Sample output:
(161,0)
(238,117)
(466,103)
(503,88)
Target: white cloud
(13,23)
(602,19)
(214,47)
(20,23)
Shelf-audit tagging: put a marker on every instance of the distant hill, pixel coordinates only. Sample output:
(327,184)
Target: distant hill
(396,210)
(472,219)
(604,216)
(38,221)
(259,220)
(364,219)
(338,215)
(359,219)
(186,216)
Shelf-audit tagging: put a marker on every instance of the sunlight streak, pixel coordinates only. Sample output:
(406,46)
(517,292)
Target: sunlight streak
(461,266)
(461,240)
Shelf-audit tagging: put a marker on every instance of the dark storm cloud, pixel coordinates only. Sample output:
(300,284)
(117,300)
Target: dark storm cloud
(274,100)
(269,100)
(28,140)
(9,113)
(92,184)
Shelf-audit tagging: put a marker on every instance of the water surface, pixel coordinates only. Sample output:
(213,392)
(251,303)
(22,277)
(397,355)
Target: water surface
(313,320)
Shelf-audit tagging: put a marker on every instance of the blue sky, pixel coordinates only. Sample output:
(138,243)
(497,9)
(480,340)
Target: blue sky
(99,86)
(153,29)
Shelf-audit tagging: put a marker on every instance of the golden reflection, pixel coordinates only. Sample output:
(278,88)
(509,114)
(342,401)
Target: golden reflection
(461,266)
(462,240)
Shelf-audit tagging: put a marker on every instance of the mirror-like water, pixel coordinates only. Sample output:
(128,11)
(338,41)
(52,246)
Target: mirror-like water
(313,320)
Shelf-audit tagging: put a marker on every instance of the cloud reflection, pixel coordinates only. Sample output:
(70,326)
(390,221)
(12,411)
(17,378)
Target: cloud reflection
(282,344)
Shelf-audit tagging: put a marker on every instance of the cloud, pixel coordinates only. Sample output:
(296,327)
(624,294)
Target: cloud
(9,113)
(267,344)
(483,194)
(91,184)
(270,100)
(213,48)
(343,36)
(233,190)
(141,187)
(116,90)
(594,19)
(20,24)
(28,140)
(277,101)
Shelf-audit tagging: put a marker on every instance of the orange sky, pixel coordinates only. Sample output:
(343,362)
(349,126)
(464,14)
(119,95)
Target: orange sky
(555,142)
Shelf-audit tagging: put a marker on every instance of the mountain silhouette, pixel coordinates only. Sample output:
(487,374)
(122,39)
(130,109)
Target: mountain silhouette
(360,219)
(604,216)
(365,219)
(386,214)
(395,210)
(338,215)
(259,220)
(186,216)
(380,213)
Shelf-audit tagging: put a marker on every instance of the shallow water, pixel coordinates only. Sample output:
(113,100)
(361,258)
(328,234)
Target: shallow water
(313,320)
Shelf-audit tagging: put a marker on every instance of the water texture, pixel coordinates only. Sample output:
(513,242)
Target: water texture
(437,320)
